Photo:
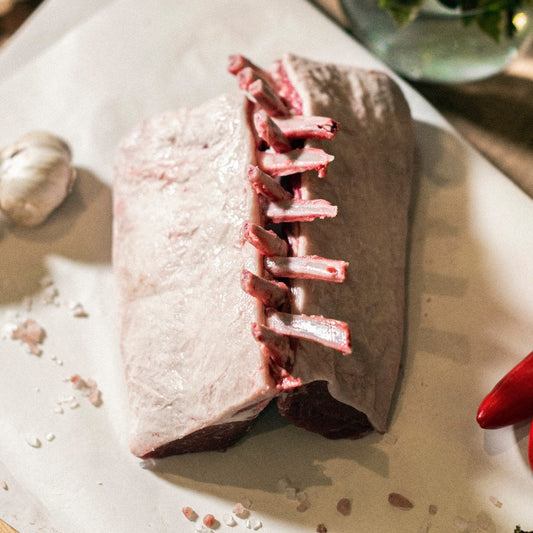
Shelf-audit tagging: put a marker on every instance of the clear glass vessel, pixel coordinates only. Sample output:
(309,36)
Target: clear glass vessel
(439,44)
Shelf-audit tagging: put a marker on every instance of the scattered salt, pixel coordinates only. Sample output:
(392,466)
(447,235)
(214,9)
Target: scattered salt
(209,520)
(240,511)
(59,410)
(189,513)
(400,501)
(50,437)
(495,501)
(256,524)
(344,506)
(88,388)
(4,485)
(303,506)
(78,310)
(228,520)
(31,335)
(33,441)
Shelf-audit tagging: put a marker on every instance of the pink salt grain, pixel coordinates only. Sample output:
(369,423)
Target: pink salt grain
(321,528)
(31,334)
(344,506)
(189,513)
(208,520)
(400,501)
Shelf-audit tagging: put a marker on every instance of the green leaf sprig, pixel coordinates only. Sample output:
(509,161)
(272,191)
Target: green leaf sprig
(494,17)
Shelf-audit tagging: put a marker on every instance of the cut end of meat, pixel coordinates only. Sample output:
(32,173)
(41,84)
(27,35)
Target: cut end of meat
(312,407)
(212,438)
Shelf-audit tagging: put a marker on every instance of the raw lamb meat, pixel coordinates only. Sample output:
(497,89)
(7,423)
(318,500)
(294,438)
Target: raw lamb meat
(229,257)
(370,183)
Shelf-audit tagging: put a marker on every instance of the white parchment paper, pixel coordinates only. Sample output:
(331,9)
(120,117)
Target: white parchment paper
(469,318)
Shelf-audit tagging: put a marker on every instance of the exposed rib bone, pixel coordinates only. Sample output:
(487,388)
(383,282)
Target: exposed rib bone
(299,210)
(236,63)
(270,293)
(267,98)
(307,267)
(278,345)
(307,127)
(266,241)
(263,184)
(327,331)
(267,129)
(295,161)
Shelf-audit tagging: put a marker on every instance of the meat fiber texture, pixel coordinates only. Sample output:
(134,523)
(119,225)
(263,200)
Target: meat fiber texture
(195,375)
(370,182)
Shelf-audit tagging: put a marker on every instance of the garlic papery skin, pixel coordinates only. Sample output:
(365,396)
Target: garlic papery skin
(36,175)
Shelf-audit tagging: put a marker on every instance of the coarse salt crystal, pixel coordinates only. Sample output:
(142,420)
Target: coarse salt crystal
(400,501)
(228,520)
(209,520)
(189,513)
(59,410)
(78,310)
(303,506)
(344,506)
(4,485)
(495,501)
(256,524)
(50,437)
(31,335)
(33,441)
(240,510)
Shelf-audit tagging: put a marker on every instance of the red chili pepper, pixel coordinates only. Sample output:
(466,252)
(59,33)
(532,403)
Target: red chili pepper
(510,401)
(530,446)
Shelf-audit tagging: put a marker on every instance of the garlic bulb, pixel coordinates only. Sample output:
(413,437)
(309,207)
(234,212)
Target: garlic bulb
(35,177)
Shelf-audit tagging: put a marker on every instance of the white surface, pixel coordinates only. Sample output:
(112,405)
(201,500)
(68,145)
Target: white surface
(469,319)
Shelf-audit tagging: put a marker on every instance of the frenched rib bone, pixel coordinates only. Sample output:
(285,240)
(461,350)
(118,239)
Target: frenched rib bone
(307,267)
(295,161)
(270,132)
(278,345)
(264,95)
(270,293)
(299,210)
(264,184)
(266,241)
(306,127)
(326,331)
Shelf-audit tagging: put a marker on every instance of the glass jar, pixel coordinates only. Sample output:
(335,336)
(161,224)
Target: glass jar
(439,44)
